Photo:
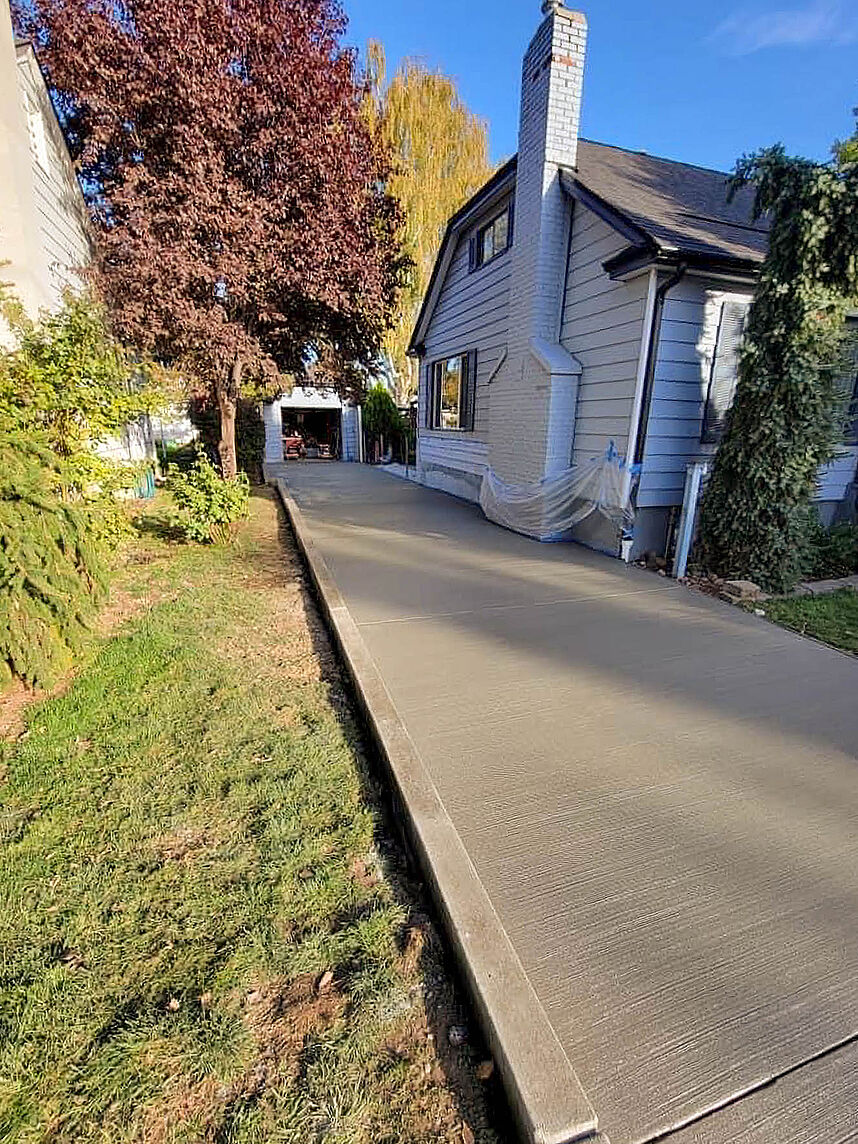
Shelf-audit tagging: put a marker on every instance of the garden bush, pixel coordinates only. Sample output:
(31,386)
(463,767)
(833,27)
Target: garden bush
(383,422)
(210,506)
(52,570)
(67,386)
(829,552)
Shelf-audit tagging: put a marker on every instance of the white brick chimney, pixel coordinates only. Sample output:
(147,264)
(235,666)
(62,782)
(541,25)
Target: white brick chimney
(533,404)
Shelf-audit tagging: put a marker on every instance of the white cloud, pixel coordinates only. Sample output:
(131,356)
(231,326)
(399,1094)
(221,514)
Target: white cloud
(821,22)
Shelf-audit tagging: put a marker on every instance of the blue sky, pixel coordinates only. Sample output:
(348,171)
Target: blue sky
(679,78)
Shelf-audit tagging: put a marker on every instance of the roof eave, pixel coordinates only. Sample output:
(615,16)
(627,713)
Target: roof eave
(615,218)
(634,259)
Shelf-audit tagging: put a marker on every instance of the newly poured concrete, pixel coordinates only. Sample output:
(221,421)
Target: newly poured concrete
(657,791)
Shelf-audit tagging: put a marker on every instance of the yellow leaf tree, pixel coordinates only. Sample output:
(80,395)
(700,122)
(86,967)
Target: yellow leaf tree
(441,157)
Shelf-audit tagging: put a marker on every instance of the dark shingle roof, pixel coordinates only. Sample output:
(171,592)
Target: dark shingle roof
(667,210)
(676,205)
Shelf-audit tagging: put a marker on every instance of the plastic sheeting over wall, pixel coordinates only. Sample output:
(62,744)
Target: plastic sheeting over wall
(548,509)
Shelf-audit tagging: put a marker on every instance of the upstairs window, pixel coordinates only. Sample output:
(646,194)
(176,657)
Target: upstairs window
(725,369)
(452,390)
(492,239)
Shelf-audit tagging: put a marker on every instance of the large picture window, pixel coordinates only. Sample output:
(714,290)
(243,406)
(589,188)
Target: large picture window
(452,386)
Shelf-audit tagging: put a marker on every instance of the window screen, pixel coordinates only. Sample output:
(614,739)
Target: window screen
(725,366)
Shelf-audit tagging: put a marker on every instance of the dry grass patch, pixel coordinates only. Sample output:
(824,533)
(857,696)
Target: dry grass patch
(207,933)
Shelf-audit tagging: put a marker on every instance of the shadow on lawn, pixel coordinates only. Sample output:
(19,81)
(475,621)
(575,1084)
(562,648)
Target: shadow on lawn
(160,525)
(481,1103)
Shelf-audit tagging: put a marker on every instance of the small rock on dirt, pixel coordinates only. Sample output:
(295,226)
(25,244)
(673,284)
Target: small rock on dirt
(485,1069)
(457,1035)
(742,589)
(323,985)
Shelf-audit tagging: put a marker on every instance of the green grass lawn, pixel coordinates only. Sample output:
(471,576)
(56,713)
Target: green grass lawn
(832,618)
(206,933)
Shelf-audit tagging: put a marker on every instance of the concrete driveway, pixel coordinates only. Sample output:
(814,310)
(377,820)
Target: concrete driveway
(658,792)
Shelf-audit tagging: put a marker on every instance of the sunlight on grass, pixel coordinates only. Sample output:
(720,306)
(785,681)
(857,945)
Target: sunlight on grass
(196,941)
(832,618)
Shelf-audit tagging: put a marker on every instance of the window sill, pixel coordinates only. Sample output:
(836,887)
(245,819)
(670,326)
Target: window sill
(494,258)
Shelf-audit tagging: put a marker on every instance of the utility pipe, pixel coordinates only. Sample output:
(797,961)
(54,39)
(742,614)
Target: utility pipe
(652,355)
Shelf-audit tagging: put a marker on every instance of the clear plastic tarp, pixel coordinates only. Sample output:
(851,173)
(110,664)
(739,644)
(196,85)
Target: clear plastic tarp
(549,508)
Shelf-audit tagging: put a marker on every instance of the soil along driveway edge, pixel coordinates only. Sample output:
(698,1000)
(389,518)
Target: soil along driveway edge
(544,1090)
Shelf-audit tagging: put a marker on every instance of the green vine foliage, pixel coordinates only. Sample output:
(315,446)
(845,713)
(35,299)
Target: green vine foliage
(69,379)
(52,574)
(787,415)
(210,505)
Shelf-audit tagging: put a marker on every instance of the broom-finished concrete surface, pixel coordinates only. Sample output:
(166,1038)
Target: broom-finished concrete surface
(657,792)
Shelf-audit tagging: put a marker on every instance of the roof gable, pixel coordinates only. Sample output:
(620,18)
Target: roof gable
(497,188)
(664,208)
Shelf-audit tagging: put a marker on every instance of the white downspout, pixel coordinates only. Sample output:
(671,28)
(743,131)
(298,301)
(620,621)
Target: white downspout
(640,379)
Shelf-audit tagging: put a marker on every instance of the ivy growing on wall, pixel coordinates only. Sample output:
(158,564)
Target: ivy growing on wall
(787,415)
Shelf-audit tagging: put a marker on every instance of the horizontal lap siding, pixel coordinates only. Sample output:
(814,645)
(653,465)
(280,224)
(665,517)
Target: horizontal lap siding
(688,334)
(601,325)
(59,204)
(472,313)
(689,330)
(835,478)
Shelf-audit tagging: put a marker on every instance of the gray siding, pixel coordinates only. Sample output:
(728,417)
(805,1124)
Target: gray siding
(602,326)
(688,333)
(351,446)
(687,344)
(60,211)
(471,314)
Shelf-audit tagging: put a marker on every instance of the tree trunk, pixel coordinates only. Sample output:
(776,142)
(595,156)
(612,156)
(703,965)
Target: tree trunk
(227,401)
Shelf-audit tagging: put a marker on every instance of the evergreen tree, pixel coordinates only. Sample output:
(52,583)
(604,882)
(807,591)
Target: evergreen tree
(787,415)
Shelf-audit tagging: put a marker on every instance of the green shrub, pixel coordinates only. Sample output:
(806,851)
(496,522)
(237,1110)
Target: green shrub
(381,418)
(51,568)
(829,552)
(211,506)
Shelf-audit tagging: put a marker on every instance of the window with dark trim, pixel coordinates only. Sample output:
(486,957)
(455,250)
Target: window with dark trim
(725,368)
(492,239)
(451,392)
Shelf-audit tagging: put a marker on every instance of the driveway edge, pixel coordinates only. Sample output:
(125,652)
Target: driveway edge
(546,1095)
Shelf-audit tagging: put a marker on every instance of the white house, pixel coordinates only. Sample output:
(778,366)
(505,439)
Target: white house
(44,229)
(43,220)
(587,295)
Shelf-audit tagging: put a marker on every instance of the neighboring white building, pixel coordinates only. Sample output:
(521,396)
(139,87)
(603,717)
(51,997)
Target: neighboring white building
(318,417)
(587,295)
(44,236)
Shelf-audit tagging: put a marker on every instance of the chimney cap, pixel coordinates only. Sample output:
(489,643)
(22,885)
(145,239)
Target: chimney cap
(549,6)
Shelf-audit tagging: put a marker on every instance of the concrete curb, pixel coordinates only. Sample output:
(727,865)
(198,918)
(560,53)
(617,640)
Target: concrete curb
(546,1096)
